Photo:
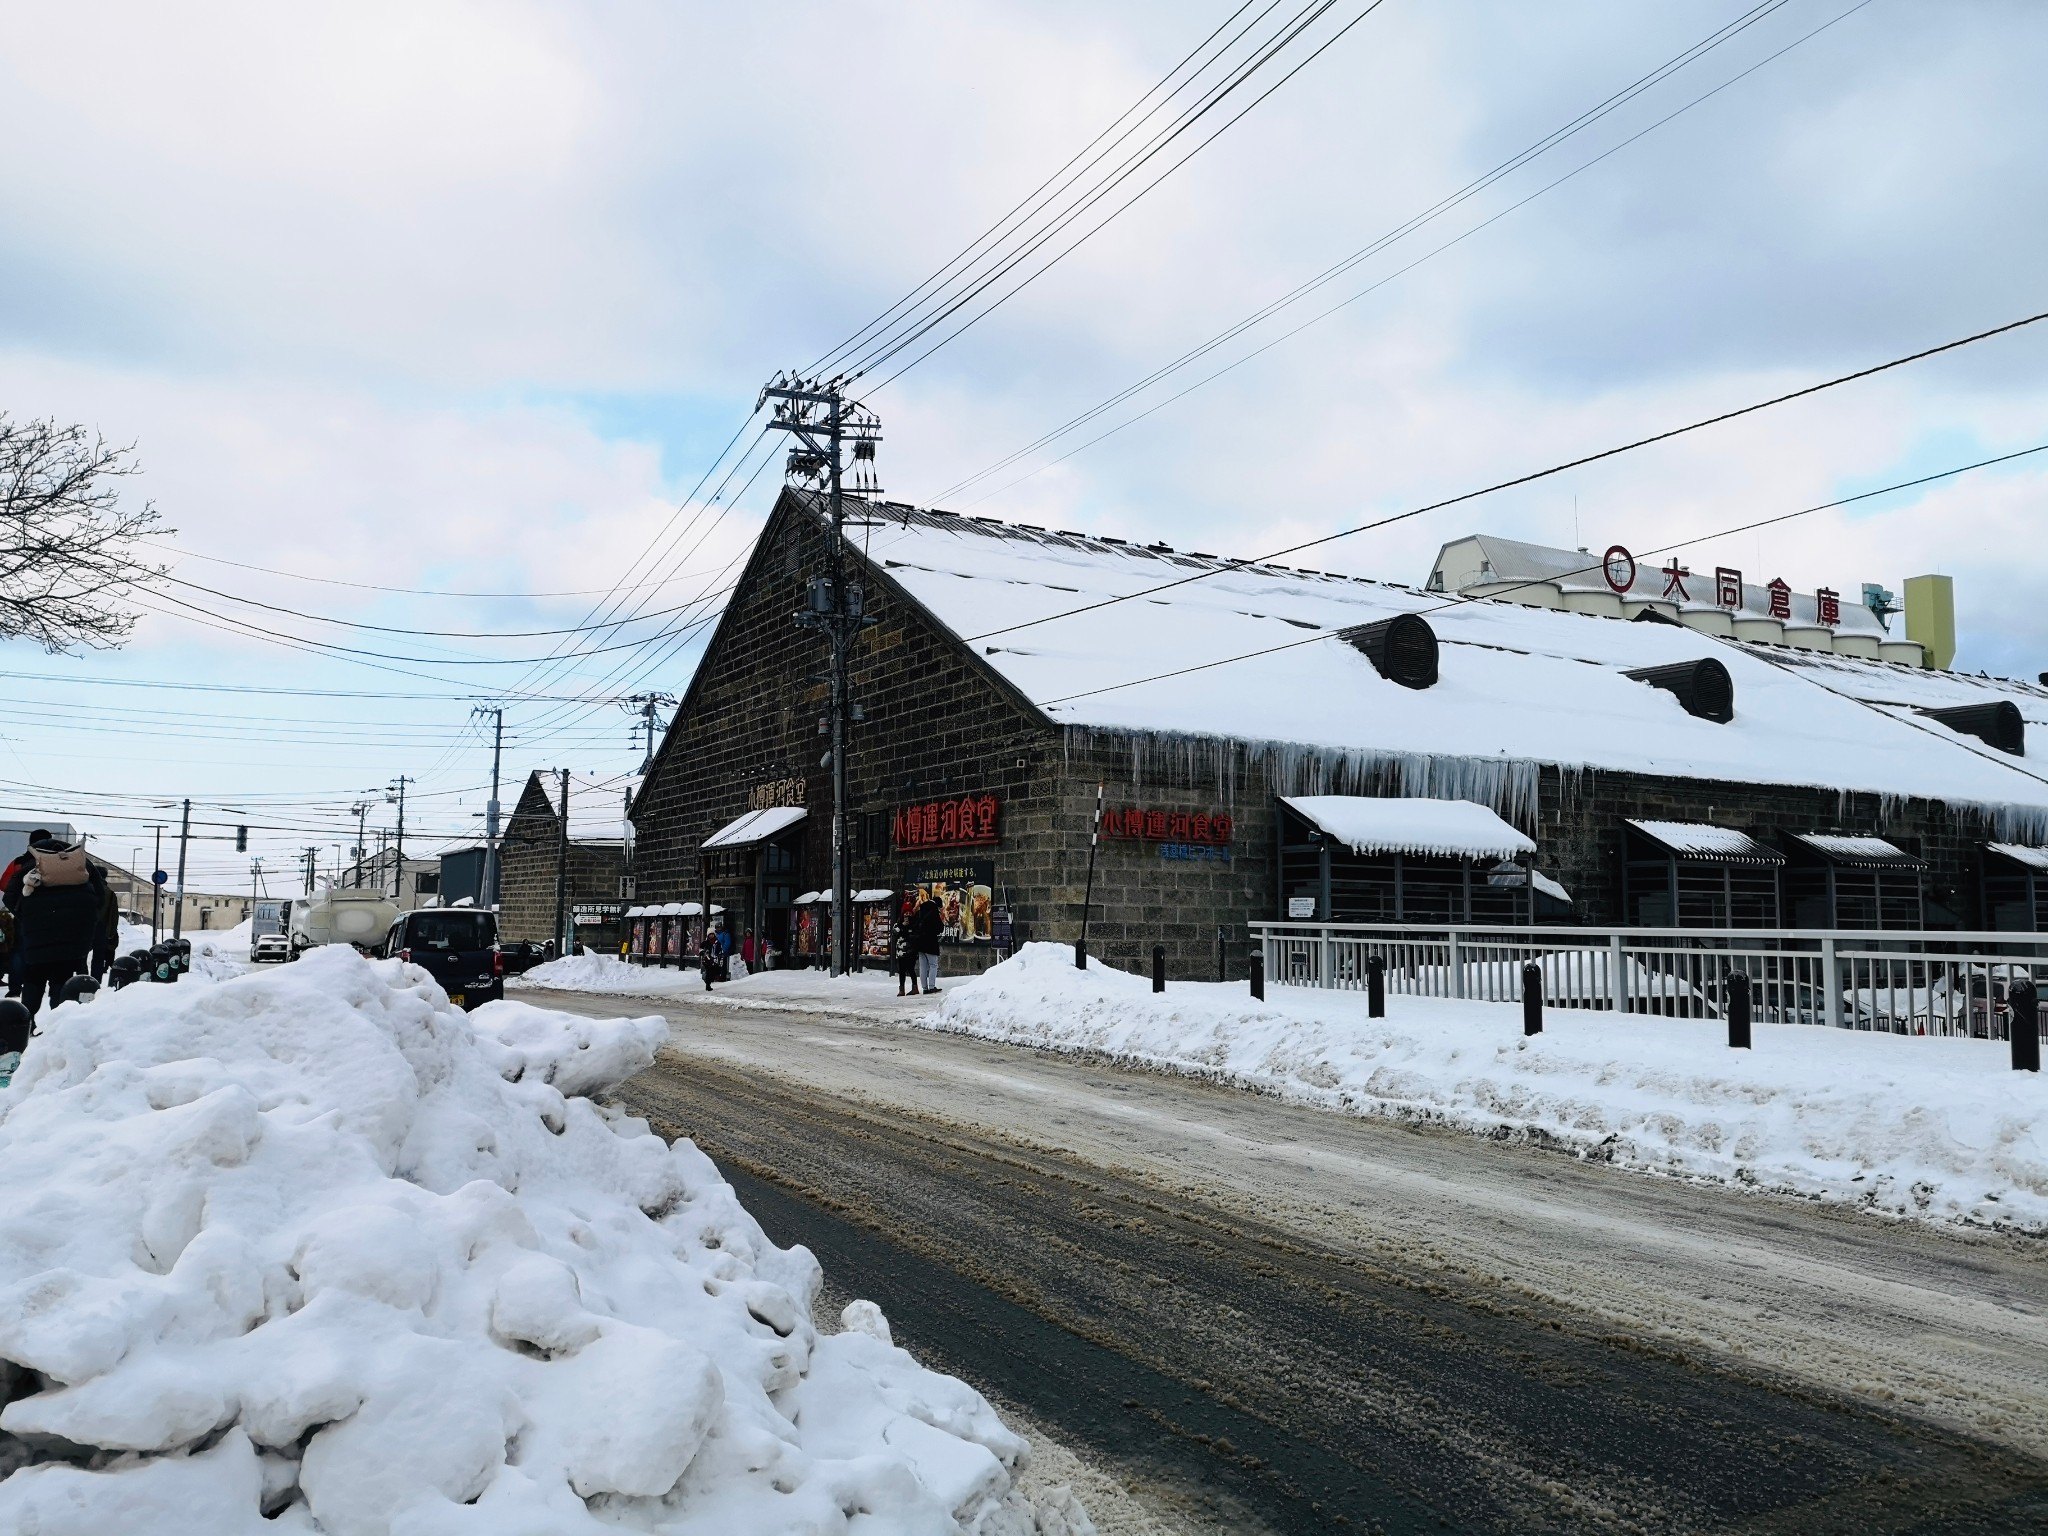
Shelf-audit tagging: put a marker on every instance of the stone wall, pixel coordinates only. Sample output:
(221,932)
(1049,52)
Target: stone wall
(528,856)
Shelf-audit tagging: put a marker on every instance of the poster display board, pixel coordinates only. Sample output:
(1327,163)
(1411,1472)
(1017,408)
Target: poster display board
(875,929)
(965,892)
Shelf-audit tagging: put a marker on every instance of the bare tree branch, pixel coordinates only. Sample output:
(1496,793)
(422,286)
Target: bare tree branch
(67,540)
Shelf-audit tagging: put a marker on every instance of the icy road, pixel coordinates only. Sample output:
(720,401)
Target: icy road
(1256,1317)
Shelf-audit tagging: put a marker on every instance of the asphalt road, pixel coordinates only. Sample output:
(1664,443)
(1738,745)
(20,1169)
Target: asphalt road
(1261,1318)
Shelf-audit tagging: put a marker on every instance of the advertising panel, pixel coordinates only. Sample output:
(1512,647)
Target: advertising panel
(875,930)
(965,892)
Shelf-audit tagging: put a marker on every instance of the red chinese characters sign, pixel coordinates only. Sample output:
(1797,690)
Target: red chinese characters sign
(967,822)
(1167,826)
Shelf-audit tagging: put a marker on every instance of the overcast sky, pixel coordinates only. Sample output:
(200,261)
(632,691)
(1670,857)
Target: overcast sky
(467,297)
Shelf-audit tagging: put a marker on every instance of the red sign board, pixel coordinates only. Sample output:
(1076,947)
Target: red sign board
(967,822)
(1135,824)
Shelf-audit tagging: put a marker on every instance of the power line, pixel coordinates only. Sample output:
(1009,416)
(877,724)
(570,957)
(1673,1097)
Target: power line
(1700,538)
(365,586)
(1399,232)
(1542,474)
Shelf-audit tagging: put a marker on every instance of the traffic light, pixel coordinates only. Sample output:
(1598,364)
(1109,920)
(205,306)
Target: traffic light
(241,839)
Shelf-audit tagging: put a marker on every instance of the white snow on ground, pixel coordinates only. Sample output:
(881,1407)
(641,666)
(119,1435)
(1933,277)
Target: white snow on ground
(313,1243)
(858,994)
(217,954)
(1914,1126)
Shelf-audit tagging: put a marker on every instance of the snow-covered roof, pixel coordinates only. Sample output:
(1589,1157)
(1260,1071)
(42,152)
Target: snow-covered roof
(1861,852)
(755,827)
(1697,840)
(1445,829)
(1254,652)
(2032,858)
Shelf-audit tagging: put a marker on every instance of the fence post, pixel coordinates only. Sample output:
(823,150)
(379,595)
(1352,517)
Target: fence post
(1457,955)
(1532,998)
(1329,960)
(1220,975)
(1831,984)
(2025,1029)
(1617,974)
(1158,967)
(1259,972)
(1737,988)
(1376,987)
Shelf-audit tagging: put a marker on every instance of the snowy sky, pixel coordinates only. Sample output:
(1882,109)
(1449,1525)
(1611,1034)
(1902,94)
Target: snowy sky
(465,297)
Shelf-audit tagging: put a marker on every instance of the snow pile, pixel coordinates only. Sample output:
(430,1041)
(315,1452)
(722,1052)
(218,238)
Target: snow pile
(218,954)
(1915,1126)
(869,994)
(311,1251)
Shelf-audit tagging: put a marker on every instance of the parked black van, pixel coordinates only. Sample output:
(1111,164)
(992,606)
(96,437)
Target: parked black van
(457,945)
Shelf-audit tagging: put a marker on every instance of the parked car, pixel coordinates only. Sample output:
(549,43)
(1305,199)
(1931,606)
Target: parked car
(458,947)
(271,946)
(522,955)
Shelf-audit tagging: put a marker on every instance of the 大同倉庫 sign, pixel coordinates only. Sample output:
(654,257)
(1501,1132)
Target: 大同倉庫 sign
(966,822)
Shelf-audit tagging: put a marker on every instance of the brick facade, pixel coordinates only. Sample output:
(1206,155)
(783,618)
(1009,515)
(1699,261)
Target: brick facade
(528,857)
(941,723)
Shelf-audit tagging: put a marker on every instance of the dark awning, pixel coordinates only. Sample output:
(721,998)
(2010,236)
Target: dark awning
(1697,842)
(1850,852)
(2034,859)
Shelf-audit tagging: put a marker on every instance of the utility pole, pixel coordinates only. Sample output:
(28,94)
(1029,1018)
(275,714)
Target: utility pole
(398,862)
(823,420)
(156,887)
(490,882)
(184,839)
(562,873)
(647,704)
(361,809)
(312,868)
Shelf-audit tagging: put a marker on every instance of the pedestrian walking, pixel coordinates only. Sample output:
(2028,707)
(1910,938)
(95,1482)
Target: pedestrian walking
(61,911)
(707,956)
(749,950)
(925,926)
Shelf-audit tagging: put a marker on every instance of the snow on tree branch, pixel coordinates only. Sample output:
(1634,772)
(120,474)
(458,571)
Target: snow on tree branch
(67,540)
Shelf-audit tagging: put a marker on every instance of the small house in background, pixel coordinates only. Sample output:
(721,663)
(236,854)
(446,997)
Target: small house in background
(1686,874)
(462,877)
(593,896)
(2015,887)
(1362,859)
(1837,881)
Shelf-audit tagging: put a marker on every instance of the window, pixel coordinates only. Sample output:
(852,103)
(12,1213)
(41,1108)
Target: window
(426,883)
(450,930)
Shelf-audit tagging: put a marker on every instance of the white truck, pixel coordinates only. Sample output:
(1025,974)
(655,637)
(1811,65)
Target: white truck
(360,918)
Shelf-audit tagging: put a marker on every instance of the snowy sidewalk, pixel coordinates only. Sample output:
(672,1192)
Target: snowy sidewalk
(1912,1126)
(866,995)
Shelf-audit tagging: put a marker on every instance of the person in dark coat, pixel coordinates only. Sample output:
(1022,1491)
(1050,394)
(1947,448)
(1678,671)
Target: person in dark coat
(10,887)
(59,930)
(925,926)
(906,960)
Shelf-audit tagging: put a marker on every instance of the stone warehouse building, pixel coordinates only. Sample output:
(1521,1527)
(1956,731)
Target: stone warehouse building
(1236,716)
(593,896)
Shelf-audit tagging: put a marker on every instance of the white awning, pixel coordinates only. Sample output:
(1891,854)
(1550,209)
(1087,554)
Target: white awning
(810,896)
(755,827)
(1549,887)
(2019,853)
(1710,844)
(1445,829)
(862,897)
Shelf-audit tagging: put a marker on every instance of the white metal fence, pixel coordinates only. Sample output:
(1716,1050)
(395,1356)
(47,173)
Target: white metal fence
(1931,983)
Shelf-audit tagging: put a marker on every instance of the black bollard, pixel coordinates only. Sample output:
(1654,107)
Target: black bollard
(2026,1026)
(1532,999)
(1376,987)
(1259,974)
(1158,967)
(1220,976)
(1080,954)
(1738,1011)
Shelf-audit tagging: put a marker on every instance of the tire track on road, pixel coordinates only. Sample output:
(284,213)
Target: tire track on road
(1264,1381)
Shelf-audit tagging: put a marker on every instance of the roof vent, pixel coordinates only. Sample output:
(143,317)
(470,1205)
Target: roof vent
(1655,616)
(1402,648)
(1701,687)
(1998,725)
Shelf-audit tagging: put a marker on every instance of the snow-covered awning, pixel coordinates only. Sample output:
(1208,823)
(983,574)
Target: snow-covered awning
(1858,852)
(1549,887)
(862,898)
(809,897)
(1697,840)
(755,827)
(2035,859)
(1445,829)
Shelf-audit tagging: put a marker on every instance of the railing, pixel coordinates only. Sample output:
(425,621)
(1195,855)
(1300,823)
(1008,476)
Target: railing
(1931,983)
